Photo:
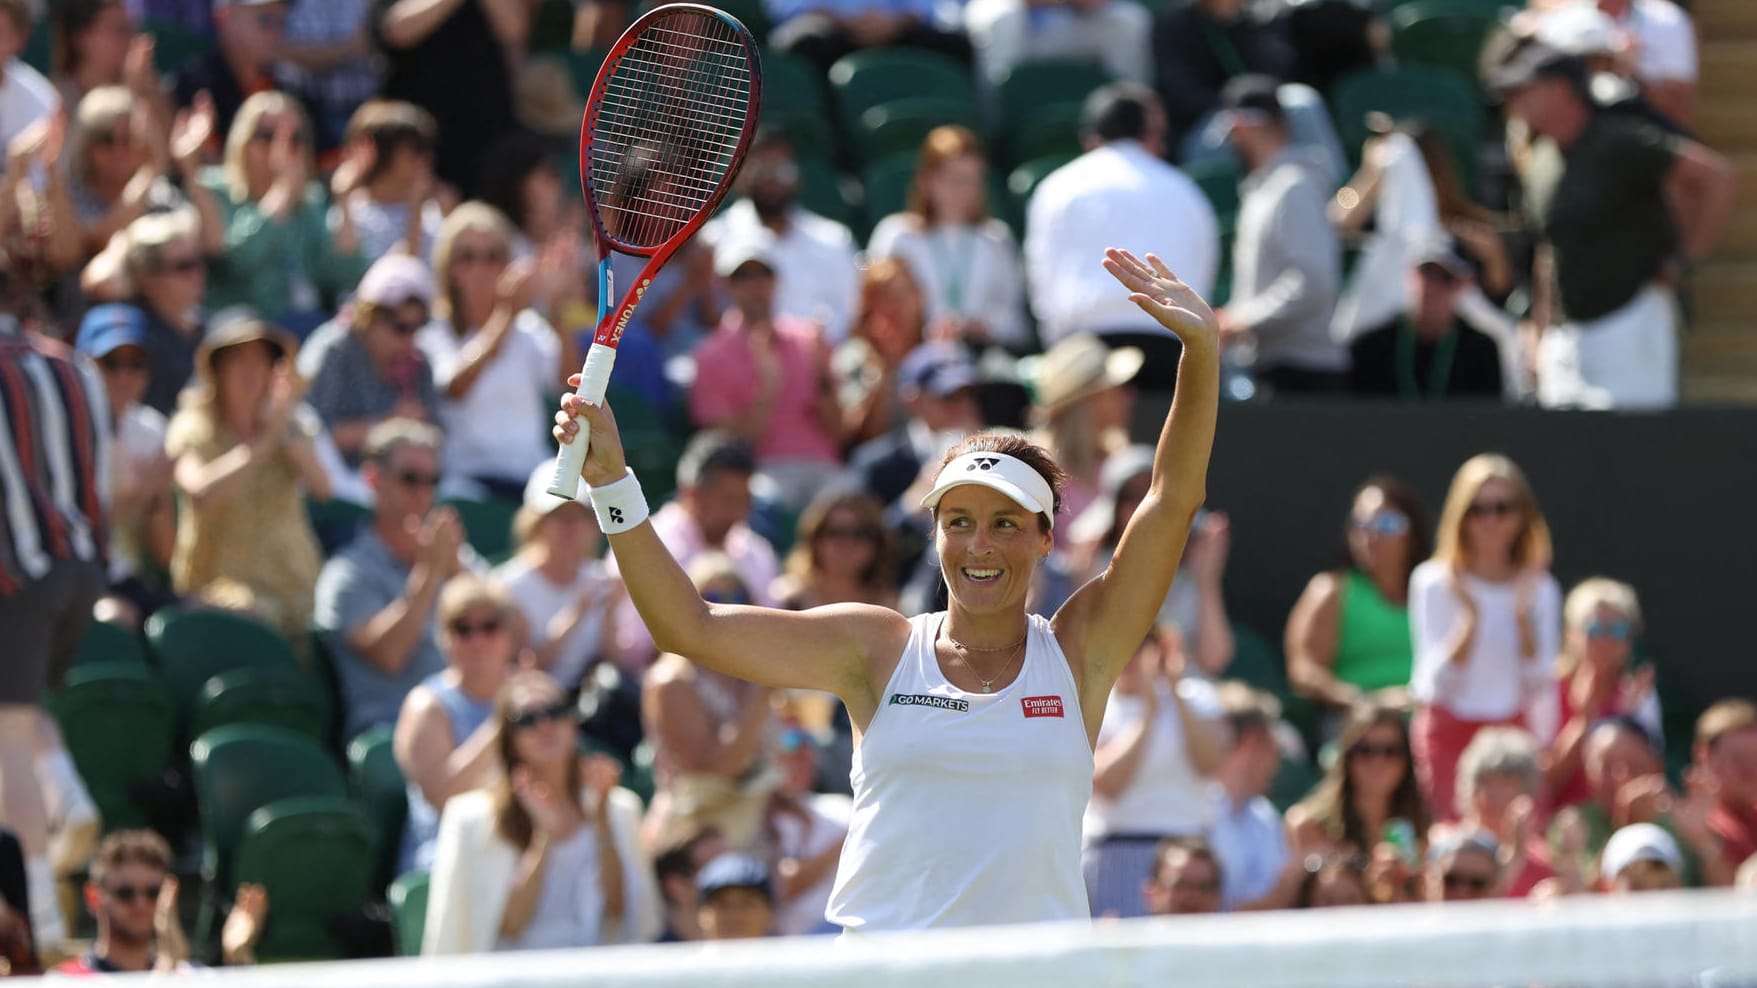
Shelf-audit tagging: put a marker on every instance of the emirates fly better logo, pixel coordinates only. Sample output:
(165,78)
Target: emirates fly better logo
(1042,706)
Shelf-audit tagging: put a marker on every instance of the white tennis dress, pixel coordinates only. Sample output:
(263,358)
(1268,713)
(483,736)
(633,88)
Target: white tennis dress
(967,806)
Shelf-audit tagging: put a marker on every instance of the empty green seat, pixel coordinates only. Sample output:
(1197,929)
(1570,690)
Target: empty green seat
(106,642)
(241,768)
(809,131)
(791,82)
(313,856)
(871,78)
(120,729)
(901,126)
(192,647)
(174,45)
(1447,34)
(1447,101)
(820,191)
(378,783)
(1219,181)
(408,909)
(1054,132)
(1038,84)
(277,695)
(1293,781)
(887,185)
(487,523)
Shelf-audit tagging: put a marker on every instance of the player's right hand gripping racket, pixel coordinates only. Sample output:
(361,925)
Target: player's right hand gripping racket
(666,126)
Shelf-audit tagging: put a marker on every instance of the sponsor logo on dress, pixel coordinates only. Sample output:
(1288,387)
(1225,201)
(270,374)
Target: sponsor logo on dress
(1042,706)
(929,700)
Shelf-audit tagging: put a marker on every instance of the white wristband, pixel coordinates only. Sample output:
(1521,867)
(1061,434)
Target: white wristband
(620,505)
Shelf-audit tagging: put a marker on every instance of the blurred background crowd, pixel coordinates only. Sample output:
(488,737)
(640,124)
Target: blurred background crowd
(290,289)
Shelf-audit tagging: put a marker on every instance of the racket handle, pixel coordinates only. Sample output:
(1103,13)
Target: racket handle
(594,379)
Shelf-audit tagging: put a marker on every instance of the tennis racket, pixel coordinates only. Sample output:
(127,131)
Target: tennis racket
(666,127)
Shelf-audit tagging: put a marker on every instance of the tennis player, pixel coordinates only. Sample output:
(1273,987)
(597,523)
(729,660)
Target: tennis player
(974,726)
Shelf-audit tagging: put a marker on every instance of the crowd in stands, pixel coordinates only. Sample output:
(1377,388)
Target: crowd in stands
(291,287)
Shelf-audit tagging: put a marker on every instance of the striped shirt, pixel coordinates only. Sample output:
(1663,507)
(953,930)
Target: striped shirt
(54,457)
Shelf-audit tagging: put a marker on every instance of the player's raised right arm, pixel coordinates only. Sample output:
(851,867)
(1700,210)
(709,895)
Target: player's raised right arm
(826,648)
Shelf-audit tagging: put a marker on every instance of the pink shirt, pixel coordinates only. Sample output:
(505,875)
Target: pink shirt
(750,553)
(726,386)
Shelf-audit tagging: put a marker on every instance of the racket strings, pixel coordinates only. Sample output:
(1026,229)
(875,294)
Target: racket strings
(668,127)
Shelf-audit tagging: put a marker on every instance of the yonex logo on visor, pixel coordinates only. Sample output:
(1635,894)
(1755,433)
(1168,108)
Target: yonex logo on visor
(982,463)
(997,471)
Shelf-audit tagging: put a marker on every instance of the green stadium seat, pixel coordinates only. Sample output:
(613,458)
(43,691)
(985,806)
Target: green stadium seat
(192,647)
(108,642)
(1257,662)
(887,187)
(279,695)
(174,45)
(1022,180)
(1293,780)
(1219,182)
(877,76)
(120,729)
(1033,86)
(810,131)
(408,909)
(1053,132)
(820,190)
(1448,102)
(313,856)
(239,769)
(583,66)
(900,126)
(378,783)
(1447,34)
(1493,8)
(791,82)
(487,524)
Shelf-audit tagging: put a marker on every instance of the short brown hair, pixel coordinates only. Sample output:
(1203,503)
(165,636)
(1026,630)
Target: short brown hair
(1247,710)
(1019,448)
(391,125)
(126,847)
(1194,846)
(1724,718)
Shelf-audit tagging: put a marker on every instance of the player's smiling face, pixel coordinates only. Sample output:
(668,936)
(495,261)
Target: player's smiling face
(989,547)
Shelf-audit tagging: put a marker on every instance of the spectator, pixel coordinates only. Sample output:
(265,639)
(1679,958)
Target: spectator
(1005,33)
(93,43)
(1195,609)
(710,514)
(166,277)
(936,385)
(279,255)
(37,224)
(1310,129)
(375,598)
(737,898)
(364,367)
(1663,43)
(1631,200)
(769,379)
(117,166)
(1593,681)
(1430,352)
(826,30)
(549,856)
(18,949)
(447,739)
(1199,46)
(1726,756)
(1464,869)
(331,44)
(1367,790)
(1625,776)
(889,325)
(247,59)
(388,169)
(1500,792)
(424,43)
(964,259)
(1348,636)
(25,96)
(242,448)
(495,359)
(1119,193)
(842,555)
(1247,832)
(808,829)
(1330,39)
(519,179)
(1484,616)
(676,868)
(51,570)
(133,895)
(713,737)
(1641,858)
(1185,879)
(815,269)
(143,514)
(1085,397)
(1336,881)
(1161,737)
(560,585)
(1286,260)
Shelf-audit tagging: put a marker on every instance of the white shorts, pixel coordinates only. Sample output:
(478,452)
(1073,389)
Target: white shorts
(1626,360)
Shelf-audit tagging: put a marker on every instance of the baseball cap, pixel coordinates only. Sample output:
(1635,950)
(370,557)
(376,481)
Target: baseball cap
(1246,99)
(537,496)
(1443,252)
(394,279)
(1528,61)
(733,870)
(997,471)
(1579,29)
(938,369)
(110,326)
(1639,842)
(736,252)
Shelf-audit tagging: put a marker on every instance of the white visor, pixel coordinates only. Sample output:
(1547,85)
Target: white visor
(1007,474)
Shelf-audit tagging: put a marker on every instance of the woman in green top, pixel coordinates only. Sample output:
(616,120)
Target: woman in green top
(1348,635)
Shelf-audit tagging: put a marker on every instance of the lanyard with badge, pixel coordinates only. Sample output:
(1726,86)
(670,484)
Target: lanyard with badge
(1439,370)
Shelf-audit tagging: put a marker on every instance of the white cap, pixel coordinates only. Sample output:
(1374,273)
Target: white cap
(998,471)
(736,251)
(1639,842)
(1580,29)
(538,498)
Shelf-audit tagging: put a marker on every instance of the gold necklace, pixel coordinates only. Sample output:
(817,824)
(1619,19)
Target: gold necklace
(959,649)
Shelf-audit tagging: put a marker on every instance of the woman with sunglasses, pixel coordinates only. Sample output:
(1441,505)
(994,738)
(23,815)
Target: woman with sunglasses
(976,723)
(446,735)
(548,857)
(842,555)
(1594,680)
(1348,634)
(117,163)
(1369,794)
(1484,617)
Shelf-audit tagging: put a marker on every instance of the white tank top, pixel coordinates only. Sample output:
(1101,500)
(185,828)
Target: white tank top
(967,805)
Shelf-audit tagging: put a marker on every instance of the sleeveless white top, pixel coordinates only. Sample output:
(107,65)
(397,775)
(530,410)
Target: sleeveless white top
(967,806)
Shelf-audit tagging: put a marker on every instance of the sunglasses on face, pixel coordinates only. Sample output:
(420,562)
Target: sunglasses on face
(1389,524)
(469,629)
(114,363)
(401,328)
(127,894)
(469,255)
(1468,883)
(266,135)
(1195,885)
(793,739)
(113,138)
(1499,509)
(559,710)
(1364,750)
(785,172)
(1613,630)
(414,478)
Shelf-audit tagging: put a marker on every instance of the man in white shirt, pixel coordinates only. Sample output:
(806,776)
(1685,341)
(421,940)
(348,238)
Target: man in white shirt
(1118,194)
(1247,833)
(1663,44)
(818,275)
(25,96)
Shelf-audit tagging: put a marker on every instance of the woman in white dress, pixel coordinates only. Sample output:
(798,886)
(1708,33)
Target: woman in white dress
(974,725)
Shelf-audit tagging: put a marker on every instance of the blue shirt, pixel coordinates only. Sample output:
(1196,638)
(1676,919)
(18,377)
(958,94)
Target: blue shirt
(1251,843)
(781,10)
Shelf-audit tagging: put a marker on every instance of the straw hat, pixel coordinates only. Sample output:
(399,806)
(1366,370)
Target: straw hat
(1079,367)
(545,98)
(236,327)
